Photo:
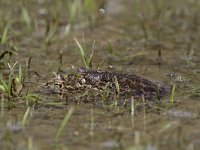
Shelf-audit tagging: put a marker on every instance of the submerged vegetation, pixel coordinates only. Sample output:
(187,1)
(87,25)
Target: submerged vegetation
(157,40)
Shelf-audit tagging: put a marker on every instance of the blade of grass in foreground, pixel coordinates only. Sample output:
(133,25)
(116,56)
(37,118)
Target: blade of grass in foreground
(26,17)
(63,124)
(25,117)
(5,34)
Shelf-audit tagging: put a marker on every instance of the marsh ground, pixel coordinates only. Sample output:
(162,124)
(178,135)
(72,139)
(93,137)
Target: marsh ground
(147,38)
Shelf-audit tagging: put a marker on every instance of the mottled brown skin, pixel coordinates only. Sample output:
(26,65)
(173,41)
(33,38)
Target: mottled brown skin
(129,85)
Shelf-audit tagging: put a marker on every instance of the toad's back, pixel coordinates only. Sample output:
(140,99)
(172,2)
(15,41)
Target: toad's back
(124,85)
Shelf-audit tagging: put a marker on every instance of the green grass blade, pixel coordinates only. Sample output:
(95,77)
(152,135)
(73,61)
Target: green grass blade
(83,54)
(30,143)
(25,116)
(117,92)
(26,17)
(64,123)
(73,11)
(9,85)
(10,79)
(20,76)
(110,47)
(132,106)
(2,106)
(5,34)
(172,93)
(117,85)
(3,86)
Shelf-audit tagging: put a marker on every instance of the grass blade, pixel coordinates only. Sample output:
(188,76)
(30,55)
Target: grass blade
(25,116)
(3,86)
(64,123)
(117,86)
(73,11)
(83,54)
(2,106)
(5,34)
(20,76)
(26,17)
(172,93)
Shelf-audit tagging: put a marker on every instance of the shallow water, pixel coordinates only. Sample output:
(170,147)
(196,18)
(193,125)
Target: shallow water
(150,40)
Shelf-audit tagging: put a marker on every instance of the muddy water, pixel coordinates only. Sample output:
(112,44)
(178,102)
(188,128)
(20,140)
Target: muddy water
(157,43)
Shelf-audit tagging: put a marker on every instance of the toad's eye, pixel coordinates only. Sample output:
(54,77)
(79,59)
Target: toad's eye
(57,85)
